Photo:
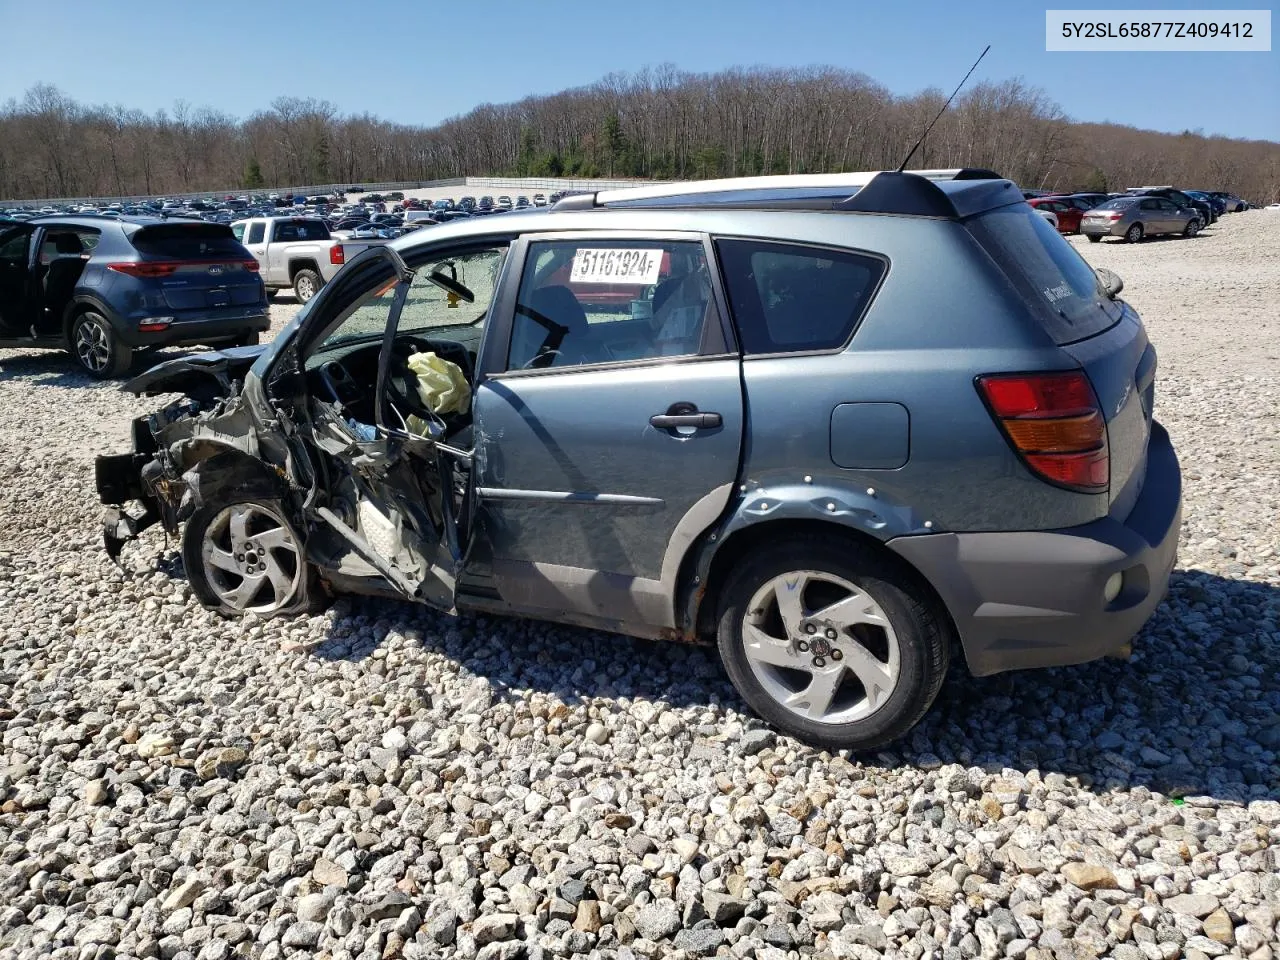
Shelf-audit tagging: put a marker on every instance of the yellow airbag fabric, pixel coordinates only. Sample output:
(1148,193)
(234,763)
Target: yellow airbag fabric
(442,386)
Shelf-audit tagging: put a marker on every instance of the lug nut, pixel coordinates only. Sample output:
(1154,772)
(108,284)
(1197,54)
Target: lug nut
(831,634)
(810,628)
(837,655)
(819,662)
(802,647)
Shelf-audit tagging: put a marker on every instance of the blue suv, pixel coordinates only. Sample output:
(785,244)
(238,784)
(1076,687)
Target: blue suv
(105,287)
(843,426)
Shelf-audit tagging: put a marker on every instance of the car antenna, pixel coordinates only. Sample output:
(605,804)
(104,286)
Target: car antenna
(912,153)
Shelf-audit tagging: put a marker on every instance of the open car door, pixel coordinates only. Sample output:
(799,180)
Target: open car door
(18,301)
(398,491)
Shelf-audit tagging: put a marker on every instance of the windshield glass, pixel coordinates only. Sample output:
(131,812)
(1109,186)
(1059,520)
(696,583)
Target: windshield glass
(430,307)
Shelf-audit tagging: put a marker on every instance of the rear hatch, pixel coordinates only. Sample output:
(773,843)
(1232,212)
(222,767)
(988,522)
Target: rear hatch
(198,266)
(1103,336)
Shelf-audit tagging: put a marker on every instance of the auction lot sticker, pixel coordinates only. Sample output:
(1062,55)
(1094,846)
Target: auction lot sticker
(1169,30)
(611,265)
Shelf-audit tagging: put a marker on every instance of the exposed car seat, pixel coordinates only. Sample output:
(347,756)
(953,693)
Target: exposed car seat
(63,271)
(681,305)
(559,305)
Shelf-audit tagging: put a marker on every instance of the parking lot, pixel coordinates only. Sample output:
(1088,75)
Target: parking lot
(381,781)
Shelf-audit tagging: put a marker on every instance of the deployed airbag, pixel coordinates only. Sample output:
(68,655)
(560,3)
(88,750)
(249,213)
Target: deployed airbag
(442,386)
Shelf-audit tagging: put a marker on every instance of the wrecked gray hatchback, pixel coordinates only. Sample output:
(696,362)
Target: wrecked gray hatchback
(843,426)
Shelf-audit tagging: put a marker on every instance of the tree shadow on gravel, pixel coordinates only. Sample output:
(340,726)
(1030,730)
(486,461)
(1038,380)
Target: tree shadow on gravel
(1196,711)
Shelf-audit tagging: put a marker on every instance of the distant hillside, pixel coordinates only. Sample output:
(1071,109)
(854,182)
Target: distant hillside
(661,123)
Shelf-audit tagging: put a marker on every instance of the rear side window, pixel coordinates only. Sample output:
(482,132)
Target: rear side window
(1063,292)
(188,241)
(788,298)
(256,232)
(307,230)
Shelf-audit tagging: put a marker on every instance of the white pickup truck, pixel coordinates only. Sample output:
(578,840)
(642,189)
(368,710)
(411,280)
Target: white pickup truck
(296,252)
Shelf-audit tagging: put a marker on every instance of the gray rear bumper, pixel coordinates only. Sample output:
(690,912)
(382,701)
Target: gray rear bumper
(1035,598)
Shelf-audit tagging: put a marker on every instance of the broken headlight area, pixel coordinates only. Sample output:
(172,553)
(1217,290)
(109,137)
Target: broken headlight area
(183,455)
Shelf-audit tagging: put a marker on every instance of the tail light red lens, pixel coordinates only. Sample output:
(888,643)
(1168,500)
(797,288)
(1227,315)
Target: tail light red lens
(251,265)
(146,268)
(1054,422)
(337,255)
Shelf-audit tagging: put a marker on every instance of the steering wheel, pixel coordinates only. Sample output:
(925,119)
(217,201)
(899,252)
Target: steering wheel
(547,355)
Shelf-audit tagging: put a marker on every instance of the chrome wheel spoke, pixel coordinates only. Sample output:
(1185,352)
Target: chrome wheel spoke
(281,581)
(271,539)
(814,701)
(790,595)
(763,648)
(240,595)
(222,560)
(239,526)
(854,609)
(877,679)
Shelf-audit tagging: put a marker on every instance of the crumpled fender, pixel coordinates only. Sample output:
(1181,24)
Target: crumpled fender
(203,377)
(859,508)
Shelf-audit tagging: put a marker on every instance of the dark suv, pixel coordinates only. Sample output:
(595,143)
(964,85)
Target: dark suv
(840,425)
(102,288)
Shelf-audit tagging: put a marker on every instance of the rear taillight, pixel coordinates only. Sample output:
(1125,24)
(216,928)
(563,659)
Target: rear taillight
(1054,422)
(337,255)
(1114,215)
(251,265)
(146,268)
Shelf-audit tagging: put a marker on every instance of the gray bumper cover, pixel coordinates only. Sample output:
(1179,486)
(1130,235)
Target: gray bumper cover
(1035,598)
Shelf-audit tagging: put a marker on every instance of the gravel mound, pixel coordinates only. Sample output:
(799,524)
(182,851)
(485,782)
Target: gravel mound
(380,781)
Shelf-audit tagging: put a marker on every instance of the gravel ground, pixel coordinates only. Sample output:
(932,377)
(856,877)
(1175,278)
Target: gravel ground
(380,781)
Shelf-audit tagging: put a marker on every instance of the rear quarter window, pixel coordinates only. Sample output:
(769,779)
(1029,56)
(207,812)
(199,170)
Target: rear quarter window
(791,298)
(188,241)
(1060,288)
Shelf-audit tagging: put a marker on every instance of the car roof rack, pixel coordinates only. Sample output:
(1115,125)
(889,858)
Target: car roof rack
(930,193)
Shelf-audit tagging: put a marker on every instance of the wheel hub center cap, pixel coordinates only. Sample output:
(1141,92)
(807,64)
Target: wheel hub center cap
(819,647)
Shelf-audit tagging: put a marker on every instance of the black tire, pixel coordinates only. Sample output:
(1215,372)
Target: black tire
(303,594)
(1134,234)
(250,339)
(923,637)
(1094,237)
(96,347)
(1192,228)
(306,284)
(271,293)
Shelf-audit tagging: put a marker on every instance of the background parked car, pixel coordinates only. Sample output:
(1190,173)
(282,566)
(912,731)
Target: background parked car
(102,288)
(1137,217)
(1180,198)
(1067,213)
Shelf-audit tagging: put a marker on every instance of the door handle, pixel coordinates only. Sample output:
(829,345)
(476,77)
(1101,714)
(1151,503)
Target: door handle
(669,421)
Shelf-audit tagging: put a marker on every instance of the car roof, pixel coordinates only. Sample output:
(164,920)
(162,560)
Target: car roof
(952,193)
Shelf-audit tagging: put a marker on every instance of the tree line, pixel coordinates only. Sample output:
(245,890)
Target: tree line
(659,122)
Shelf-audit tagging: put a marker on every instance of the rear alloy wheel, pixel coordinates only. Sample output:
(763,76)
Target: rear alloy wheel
(244,557)
(306,284)
(832,643)
(1133,234)
(1192,228)
(97,348)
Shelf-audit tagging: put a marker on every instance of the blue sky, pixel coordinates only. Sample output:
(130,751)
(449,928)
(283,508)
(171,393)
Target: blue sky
(420,62)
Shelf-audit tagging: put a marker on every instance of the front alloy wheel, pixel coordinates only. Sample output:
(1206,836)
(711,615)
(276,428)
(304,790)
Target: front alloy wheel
(244,558)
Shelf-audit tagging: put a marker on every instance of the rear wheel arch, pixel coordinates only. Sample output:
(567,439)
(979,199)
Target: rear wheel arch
(302,264)
(750,539)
